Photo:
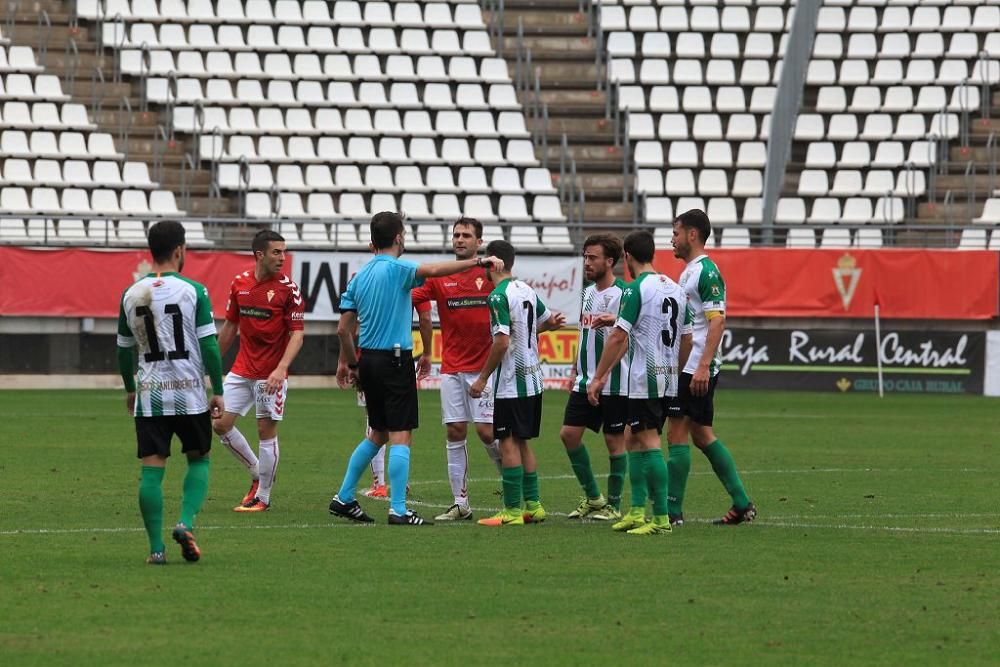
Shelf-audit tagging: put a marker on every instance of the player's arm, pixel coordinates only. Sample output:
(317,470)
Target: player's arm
(500,328)
(716,327)
(211,357)
(687,338)
(448,267)
(126,357)
(501,342)
(347,366)
(280,372)
(426,340)
(615,347)
(227,334)
(547,320)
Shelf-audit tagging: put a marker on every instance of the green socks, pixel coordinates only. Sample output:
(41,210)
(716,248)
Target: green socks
(530,486)
(725,469)
(616,479)
(151,505)
(678,469)
(637,476)
(513,484)
(195,490)
(580,460)
(656,478)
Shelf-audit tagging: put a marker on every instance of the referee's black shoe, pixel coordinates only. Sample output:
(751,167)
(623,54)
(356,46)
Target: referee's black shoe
(351,510)
(411,518)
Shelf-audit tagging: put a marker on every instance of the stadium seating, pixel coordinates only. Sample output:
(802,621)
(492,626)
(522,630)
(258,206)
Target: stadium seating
(698,84)
(345,108)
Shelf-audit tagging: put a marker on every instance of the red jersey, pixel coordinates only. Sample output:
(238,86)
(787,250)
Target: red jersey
(465,319)
(266,313)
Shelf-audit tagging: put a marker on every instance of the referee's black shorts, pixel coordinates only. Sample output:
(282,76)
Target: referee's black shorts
(390,386)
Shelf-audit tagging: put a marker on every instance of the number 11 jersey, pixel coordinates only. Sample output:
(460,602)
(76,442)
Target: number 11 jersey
(164,316)
(654,314)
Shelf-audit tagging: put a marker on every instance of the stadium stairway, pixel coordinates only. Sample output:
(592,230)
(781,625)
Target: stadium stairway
(114,103)
(560,36)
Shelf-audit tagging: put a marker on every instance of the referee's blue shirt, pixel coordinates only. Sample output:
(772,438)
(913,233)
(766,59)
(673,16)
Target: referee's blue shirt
(380,295)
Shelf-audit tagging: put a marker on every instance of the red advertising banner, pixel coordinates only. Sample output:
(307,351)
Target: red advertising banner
(907,283)
(75,282)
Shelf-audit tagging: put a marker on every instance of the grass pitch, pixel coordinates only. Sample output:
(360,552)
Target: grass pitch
(876,543)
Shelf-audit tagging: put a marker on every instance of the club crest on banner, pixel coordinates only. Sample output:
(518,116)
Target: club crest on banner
(846,276)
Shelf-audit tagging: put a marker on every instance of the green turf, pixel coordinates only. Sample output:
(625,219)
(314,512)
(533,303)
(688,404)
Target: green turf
(877,543)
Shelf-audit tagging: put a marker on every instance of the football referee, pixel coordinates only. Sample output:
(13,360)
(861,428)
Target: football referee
(379,299)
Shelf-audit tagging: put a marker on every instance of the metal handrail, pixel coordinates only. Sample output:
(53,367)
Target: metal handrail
(102,15)
(970,188)
(244,183)
(948,200)
(215,157)
(96,98)
(72,58)
(199,128)
(985,102)
(145,67)
(44,35)
(10,20)
(172,95)
(159,149)
(626,155)
(187,174)
(991,160)
(963,123)
(118,22)
(275,197)
(910,180)
(124,124)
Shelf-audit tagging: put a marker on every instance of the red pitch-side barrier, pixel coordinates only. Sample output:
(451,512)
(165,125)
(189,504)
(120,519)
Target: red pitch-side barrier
(769,282)
(74,282)
(907,283)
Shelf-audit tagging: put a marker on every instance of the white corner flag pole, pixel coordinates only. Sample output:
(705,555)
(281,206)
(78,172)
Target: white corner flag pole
(878,350)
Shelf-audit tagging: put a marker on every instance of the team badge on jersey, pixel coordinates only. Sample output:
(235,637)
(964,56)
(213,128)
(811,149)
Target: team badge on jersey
(479,283)
(270,295)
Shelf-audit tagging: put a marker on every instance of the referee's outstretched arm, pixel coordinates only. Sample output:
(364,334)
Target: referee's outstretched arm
(448,267)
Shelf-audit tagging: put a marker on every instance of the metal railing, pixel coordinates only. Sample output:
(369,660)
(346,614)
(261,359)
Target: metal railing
(970,189)
(495,26)
(72,60)
(10,19)
(244,183)
(187,175)
(96,93)
(102,15)
(985,101)
(160,145)
(218,141)
(44,35)
(119,29)
(124,124)
(991,161)
(145,65)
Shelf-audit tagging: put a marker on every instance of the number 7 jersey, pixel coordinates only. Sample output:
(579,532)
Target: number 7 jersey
(164,316)
(654,314)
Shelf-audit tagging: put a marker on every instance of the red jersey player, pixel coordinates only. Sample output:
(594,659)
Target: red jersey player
(465,325)
(267,309)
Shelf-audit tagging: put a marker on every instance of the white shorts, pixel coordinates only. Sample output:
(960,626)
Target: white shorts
(241,393)
(456,404)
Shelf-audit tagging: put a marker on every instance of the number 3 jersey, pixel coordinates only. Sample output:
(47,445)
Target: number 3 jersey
(654,314)
(164,316)
(515,310)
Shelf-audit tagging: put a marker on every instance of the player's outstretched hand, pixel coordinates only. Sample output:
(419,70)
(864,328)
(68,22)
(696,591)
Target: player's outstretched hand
(424,366)
(495,262)
(130,402)
(594,390)
(476,390)
(275,380)
(216,406)
(557,320)
(603,320)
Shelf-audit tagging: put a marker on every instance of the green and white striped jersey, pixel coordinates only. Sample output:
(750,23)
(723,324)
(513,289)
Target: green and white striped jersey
(706,291)
(165,315)
(654,314)
(591,344)
(515,310)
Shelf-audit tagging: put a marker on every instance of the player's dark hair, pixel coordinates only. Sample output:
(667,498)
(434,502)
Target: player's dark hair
(165,237)
(504,251)
(262,238)
(641,246)
(385,227)
(472,222)
(610,244)
(695,219)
